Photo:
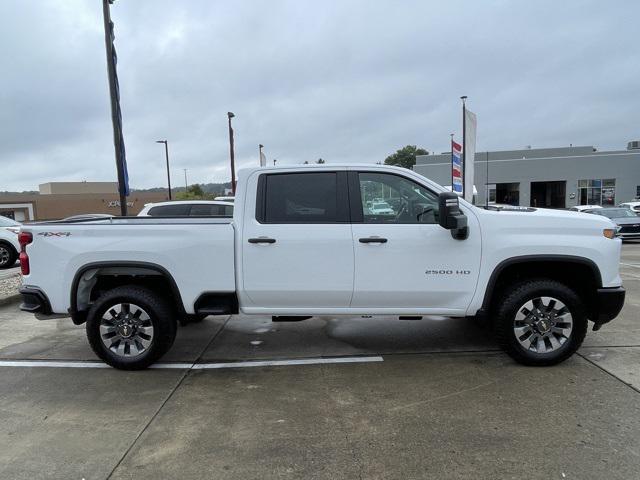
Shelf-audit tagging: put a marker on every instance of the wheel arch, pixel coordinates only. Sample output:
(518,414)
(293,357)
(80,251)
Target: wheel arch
(85,281)
(580,273)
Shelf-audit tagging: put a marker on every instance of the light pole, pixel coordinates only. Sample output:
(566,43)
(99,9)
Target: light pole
(230,115)
(185,180)
(166,154)
(260,147)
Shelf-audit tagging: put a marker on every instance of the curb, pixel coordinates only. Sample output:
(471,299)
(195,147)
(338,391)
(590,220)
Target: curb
(10,299)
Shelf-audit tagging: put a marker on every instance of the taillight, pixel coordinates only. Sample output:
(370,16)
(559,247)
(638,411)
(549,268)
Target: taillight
(24,239)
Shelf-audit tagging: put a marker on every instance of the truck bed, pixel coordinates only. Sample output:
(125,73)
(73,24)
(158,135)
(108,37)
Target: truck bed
(197,252)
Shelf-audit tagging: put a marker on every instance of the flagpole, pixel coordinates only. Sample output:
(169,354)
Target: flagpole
(451,135)
(464,144)
(113,93)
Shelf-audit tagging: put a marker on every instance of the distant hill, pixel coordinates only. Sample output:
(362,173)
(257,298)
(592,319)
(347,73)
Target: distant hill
(214,188)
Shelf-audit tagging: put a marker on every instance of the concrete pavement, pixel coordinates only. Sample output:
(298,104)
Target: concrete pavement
(444,403)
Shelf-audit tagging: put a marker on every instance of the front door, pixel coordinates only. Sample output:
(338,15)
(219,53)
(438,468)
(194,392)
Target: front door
(403,258)
(297,244)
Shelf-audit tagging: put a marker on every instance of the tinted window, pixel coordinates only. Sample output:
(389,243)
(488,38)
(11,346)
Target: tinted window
(211,210)
(614,212)
(393,199)
(301,198)
(178,210)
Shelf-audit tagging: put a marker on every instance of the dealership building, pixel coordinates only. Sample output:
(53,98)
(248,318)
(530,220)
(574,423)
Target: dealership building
(547,177)
(57,200)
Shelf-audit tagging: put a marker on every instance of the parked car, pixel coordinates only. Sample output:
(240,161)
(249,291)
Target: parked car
(226,199)
(583,208)
(635,206)
(381,208)
(301,244)
(9,246)
(188,208)
(627,221)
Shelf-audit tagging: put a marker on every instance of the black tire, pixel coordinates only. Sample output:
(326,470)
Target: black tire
(8,255)
(517,297)
(160,316)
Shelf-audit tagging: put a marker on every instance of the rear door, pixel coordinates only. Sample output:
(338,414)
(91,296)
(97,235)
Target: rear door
(297,243)
(403,258)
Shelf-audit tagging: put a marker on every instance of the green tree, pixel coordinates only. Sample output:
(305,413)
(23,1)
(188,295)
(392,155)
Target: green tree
(320,161)
(194,192)
(405,157)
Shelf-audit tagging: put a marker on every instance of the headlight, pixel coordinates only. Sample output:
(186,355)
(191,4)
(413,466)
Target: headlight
(610,232)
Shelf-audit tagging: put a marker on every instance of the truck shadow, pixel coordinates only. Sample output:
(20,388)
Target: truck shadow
(249,337)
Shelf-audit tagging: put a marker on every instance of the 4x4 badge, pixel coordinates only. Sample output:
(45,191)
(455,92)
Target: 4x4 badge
(54,234)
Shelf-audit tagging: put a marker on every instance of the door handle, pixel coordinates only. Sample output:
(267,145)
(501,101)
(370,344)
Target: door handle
(373,240)
(262,240)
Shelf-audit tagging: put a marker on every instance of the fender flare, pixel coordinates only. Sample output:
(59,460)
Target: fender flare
(78,316)
(488,294)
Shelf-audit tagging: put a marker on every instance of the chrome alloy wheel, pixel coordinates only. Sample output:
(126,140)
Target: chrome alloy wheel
(126,330)
(543,325)
(4,255)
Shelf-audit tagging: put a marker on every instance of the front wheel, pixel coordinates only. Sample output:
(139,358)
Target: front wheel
(541,322)
(130,327)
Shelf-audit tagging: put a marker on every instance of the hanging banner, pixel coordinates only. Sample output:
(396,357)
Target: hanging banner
(469,153)
(456,168)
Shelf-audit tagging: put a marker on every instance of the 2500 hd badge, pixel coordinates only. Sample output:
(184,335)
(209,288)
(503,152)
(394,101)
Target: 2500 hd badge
(448,272)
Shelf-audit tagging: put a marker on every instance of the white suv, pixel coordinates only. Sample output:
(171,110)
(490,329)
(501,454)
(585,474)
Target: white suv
(188,208)
(635,206)
(9,246)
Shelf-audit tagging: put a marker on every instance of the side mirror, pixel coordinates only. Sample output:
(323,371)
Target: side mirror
(451,217)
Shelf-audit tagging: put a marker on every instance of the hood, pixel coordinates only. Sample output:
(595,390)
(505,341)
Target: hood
(627,221)
(535,219)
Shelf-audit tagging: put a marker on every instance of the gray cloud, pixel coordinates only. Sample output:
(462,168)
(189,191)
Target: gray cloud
(345,81)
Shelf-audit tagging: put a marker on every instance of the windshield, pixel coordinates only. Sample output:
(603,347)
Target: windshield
(7,222)
(616,213)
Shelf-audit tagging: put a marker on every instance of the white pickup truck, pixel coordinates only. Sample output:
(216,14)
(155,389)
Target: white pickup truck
(302,243)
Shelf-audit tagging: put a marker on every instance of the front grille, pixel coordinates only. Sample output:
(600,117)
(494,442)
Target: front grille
(635,228)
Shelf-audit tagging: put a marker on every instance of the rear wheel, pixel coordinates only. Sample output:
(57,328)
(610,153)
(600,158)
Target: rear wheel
(541,322)
(130,327)
(8,255)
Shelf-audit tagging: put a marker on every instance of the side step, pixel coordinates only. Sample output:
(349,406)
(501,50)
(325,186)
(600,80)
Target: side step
(410,317)
(289,318)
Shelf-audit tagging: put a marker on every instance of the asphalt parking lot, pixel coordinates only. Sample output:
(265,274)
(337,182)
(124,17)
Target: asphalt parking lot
(409,399)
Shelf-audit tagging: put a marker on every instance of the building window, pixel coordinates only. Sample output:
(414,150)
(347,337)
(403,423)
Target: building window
(491,193)
(597,192)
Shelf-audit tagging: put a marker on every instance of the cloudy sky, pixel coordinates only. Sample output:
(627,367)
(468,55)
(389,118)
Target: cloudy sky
(338,79)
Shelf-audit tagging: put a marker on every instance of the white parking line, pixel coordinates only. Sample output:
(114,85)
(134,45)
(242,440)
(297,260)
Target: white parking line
(192,366)
(630,265)
(47,363)
(301,361)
